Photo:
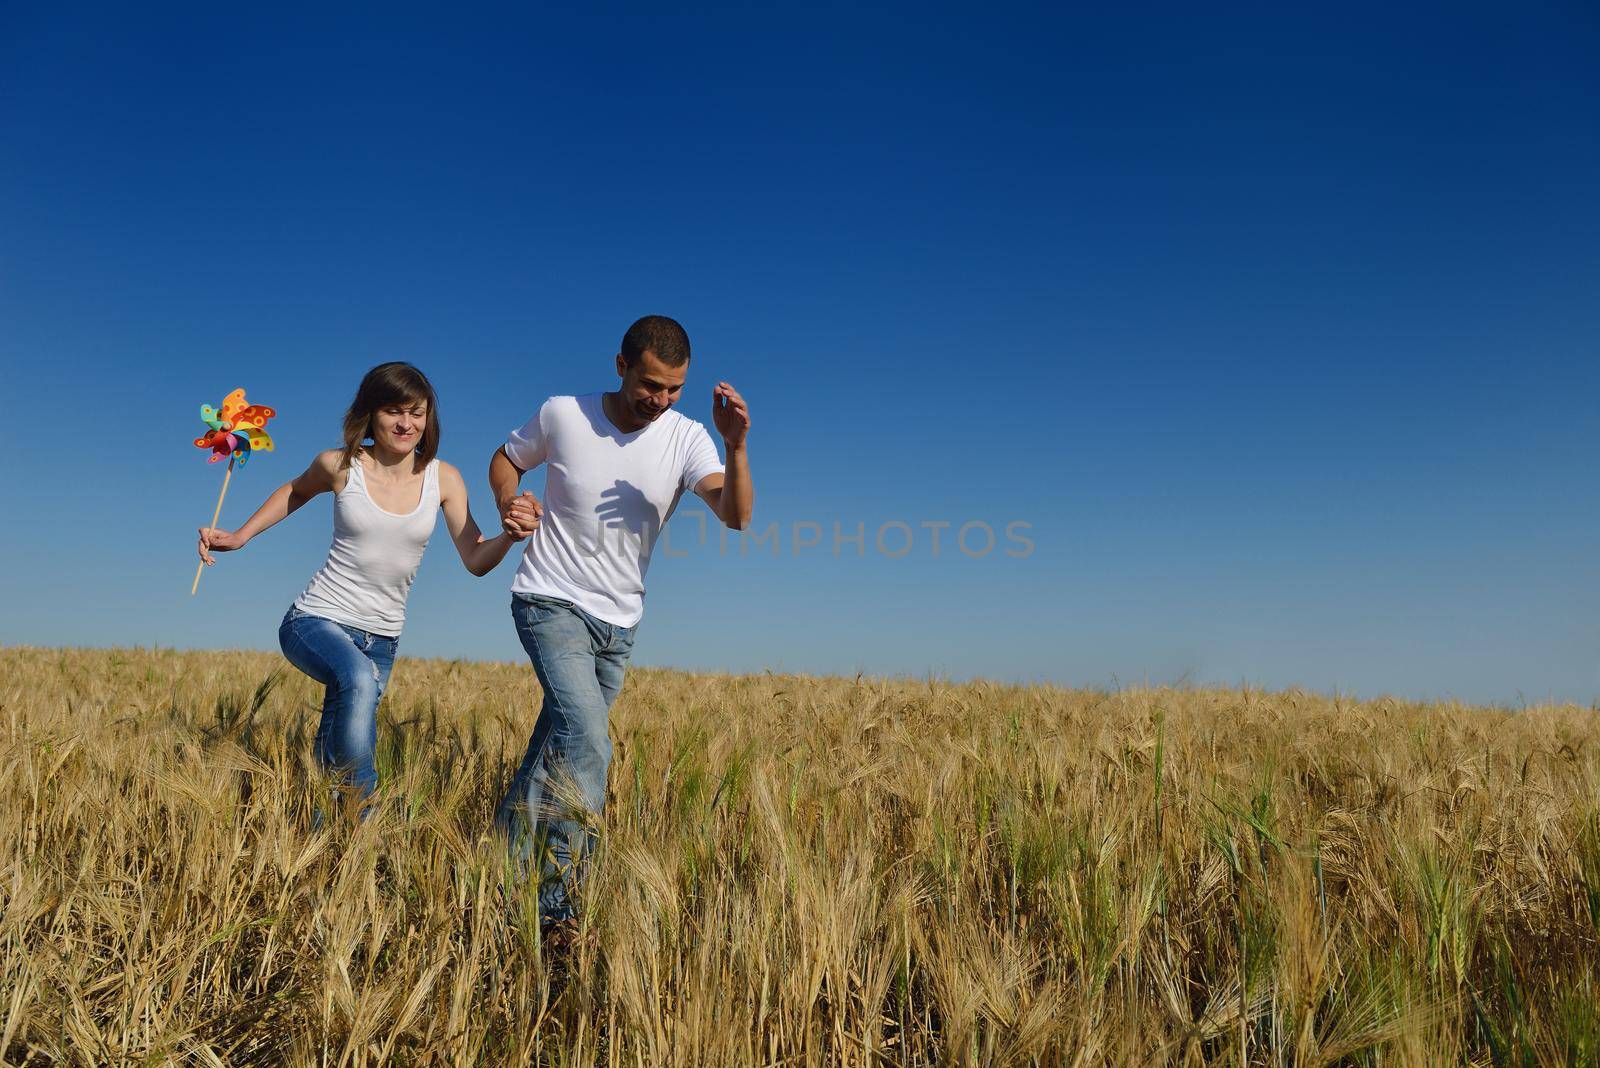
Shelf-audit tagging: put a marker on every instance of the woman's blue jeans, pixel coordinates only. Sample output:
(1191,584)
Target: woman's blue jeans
(561,783)
(354,665)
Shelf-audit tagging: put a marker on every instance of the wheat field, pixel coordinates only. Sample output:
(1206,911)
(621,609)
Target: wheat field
(797,871)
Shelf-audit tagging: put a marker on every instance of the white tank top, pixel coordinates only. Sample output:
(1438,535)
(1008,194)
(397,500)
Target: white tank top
(374,557)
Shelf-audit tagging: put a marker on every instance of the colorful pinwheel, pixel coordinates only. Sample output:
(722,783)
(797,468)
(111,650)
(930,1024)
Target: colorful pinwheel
(235,432)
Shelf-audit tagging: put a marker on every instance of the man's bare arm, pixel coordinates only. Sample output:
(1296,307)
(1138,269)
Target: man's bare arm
(519,514)
(731,496)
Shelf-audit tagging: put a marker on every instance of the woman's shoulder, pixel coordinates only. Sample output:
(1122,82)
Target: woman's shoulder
(325,472)
(450,479)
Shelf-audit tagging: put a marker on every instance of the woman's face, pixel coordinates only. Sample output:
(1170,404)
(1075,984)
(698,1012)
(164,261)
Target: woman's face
(398,427)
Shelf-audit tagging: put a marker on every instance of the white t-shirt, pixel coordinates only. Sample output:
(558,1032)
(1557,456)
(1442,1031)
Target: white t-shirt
(607,497)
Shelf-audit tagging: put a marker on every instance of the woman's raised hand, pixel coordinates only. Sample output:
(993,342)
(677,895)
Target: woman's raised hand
(215,539)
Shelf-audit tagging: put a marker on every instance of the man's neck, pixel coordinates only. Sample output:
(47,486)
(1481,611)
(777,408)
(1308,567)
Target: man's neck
(618,415)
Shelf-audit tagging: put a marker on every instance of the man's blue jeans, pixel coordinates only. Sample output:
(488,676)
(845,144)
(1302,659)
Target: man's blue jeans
(354,665)
(580,661)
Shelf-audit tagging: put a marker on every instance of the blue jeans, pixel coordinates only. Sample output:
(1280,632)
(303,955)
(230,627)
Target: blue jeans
(580,661)
(354,665)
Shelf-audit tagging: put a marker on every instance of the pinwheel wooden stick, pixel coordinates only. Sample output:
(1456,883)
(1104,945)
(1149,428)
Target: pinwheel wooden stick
(201,566)
(235,432)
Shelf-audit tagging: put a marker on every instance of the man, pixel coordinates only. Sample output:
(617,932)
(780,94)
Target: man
(617,464)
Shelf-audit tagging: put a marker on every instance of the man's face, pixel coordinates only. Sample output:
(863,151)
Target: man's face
(650,387)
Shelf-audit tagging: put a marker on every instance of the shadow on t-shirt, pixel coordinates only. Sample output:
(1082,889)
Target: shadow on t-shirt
(625,507)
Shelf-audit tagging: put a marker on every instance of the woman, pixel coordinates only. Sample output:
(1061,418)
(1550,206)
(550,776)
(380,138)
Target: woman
(343,630)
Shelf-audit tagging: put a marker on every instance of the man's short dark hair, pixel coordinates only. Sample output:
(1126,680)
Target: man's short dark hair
(657,334)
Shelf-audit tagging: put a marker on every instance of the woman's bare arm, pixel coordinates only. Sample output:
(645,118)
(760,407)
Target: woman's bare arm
(480,555)
(320,477)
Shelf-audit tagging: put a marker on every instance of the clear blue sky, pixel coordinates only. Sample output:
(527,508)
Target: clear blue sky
(1279,327)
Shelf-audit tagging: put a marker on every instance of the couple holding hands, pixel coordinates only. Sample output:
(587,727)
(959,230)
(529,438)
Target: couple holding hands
(617,465)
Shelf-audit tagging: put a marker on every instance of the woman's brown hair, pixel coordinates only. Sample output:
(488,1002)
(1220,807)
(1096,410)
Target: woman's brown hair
(397,385)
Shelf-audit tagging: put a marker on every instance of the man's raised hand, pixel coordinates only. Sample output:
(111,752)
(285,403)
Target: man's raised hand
(730,414)
(520,515)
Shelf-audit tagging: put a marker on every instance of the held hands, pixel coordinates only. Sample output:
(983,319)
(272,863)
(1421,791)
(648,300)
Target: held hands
(520,515)
(217,540)
(731,415)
